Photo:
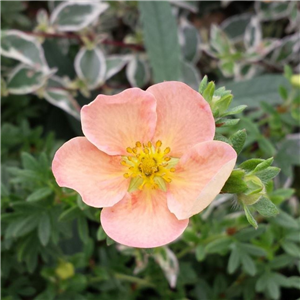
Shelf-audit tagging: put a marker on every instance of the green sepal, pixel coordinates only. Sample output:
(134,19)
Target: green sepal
(266,207)
(267,174)
(235,184)
(249,217)
(263,165)
(235,110)
(203,85)
(238,140)
(250,164)
(226,122)
(208,93)
(223,103)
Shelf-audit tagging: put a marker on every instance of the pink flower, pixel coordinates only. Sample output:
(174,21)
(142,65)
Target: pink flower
(149,159)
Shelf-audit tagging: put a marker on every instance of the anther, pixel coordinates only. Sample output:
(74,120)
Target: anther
(146,150)
(149,144)
(126,175)
(138,144)
(172,170)
(129,150)
(158,144)
(168,179)
(124,163)
(134,150)
(167,158)
(167,150)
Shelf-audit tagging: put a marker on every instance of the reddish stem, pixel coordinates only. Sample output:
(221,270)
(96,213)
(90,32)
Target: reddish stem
(75,36)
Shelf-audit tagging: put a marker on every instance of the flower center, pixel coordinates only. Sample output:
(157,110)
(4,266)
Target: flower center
(149,166)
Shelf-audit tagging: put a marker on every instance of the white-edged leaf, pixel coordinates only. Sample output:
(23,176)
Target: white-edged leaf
(244,71)
(138,72)
(227,67)
(24,48)
(25,80)
(114,64)
(219,41)
(235,26)
(191,75)
(189,5)
(90,66)
(168,262)
(273,10)
(189,40)
(63,100)
(70,16)
(253,34)
(287,50)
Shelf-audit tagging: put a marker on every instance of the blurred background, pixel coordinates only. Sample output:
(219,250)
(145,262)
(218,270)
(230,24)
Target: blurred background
(57,56)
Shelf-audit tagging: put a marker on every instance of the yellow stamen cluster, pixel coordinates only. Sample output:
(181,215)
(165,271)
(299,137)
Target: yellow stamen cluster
(149,164)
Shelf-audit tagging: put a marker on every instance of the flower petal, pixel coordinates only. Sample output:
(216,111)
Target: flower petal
(96,176)
(199,177)
(113,123)
(142,219)
(184,118)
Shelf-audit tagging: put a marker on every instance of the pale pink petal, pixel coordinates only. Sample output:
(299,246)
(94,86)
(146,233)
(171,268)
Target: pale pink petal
(142,219)
(184,118)
(199,177)
(113,123)
(96,176)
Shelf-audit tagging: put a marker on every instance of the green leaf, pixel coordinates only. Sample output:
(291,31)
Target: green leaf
(281,261)
(44,229)
(101,235)
(70,16)
(200,252)
(161,39)
(261,88)
(266,146)
(39,194)
(285,220)
(29,162)
(83,229)
(238,140)
(266,207)
(249,217)
(252,249)
(219,245)
(291,248)
(70,214)
(235,184)
(248,264)
(294,282)
(234,261)
(90,66)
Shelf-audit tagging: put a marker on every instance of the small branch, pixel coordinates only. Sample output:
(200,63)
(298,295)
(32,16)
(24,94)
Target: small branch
(75,36)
